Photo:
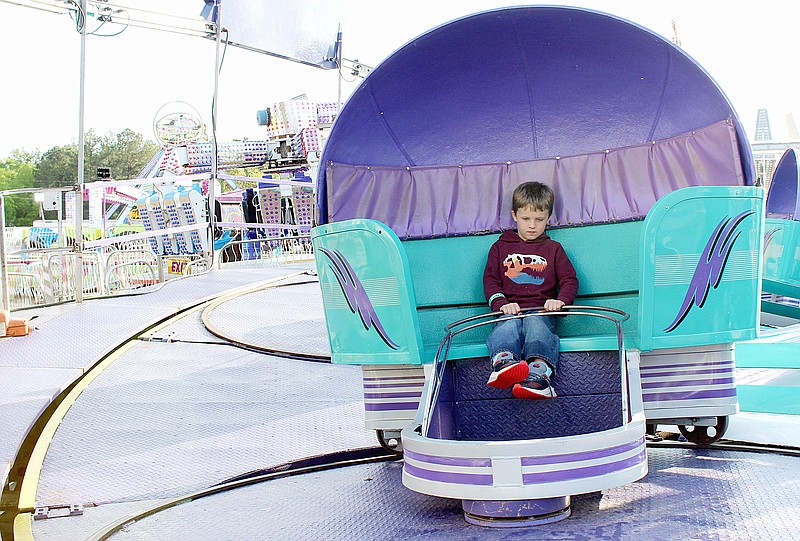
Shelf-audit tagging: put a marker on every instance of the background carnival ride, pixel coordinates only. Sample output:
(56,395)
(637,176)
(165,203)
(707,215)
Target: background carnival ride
(145,230)
(656,205)
(311,41)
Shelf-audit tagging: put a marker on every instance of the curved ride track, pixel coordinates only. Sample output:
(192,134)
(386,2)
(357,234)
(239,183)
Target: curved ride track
(281,453)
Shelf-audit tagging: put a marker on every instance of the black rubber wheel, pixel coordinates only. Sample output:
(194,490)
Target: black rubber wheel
(705,435)
(390,445)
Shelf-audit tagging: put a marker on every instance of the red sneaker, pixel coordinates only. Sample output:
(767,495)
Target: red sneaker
(506,371)
(534,387)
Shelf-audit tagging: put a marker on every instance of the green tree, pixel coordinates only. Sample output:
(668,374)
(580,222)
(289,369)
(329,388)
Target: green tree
(57,167)
(17,172)
(125,153)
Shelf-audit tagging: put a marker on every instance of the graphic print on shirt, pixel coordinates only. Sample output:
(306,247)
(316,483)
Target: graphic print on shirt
(525,269)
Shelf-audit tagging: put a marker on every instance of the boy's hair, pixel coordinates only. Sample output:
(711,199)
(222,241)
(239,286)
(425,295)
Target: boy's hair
(533,194)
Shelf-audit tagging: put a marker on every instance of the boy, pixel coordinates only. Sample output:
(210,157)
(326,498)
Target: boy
(527,269)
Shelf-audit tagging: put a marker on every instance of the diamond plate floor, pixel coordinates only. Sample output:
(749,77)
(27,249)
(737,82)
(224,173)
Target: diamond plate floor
(70,338)
(171,417)
(289,312)
(167,419)
(688,495)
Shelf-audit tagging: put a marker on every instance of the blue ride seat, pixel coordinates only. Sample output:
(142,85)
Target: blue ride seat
(420,287)
(42,237)
(448,285)
(222,241)
(589,399)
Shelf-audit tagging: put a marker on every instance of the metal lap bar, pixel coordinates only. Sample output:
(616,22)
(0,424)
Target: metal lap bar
(440,361)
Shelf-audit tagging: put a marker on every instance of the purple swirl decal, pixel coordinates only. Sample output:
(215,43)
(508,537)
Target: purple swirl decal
(768,237)
(355,294)
(708,273)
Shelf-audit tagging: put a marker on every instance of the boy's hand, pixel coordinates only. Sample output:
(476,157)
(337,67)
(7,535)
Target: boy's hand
(553,305)
(510,309)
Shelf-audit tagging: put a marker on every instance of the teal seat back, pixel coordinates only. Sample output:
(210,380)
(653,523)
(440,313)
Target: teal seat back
(701,267)
(368,298)
(782,256)
(448,281)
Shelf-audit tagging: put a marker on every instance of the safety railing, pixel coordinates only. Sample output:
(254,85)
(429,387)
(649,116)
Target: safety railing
(42,265)
(618,317)
(289,251)
(26,288)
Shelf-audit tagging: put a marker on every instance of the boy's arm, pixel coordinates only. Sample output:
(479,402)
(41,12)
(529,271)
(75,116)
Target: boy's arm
(567,277)
(492,281)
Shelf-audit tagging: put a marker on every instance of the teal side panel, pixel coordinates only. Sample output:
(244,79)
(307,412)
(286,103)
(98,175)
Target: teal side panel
(367,294)
(763,354)
(769,399)
(778,356)
(782,256)
(701,267)
(781,268)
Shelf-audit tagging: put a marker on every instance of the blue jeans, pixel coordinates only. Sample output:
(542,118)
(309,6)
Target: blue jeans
(526,338)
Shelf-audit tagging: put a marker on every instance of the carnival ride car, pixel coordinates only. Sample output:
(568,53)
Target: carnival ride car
(781,283)
(655,205)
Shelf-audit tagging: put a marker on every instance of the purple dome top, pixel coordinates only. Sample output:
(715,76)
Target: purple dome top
(525,83)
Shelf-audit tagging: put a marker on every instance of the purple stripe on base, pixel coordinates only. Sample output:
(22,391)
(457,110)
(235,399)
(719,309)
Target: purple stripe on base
(695,365)
(728,370)
(421,383)
(387,377)
(583,473)
(391,406)
(412,394)
(689,395)
(583,455)
(449,461)
(449,477)
(685,383)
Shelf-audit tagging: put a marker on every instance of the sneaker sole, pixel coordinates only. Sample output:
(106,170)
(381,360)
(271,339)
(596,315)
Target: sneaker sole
(508,376)
(529,394)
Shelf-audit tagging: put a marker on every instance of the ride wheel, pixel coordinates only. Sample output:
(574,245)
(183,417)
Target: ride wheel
(390,441)
(705,435)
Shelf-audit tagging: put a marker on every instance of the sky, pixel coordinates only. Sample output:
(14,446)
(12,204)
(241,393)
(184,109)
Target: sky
(748,50)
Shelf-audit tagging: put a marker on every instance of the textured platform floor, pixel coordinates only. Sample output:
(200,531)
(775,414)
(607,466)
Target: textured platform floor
(168,418)
(688,495)
(70,338)
(292,320)
(188,411)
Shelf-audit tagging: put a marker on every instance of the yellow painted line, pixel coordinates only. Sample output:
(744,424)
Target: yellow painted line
(27,493)
(23,527)
(27,498)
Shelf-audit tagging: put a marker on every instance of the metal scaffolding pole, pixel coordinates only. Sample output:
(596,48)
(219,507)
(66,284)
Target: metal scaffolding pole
(78,248)
(6,292)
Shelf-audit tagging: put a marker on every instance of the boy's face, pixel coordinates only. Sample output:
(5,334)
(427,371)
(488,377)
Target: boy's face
(531,223)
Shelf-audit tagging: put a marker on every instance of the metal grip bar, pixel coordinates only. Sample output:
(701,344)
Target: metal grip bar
(625,315)
(440,361)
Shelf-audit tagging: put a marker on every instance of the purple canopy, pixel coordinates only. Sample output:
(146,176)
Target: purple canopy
(519,90)
(783,198)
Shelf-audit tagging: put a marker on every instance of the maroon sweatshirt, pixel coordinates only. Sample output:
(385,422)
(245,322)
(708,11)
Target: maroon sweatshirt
(528,272)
